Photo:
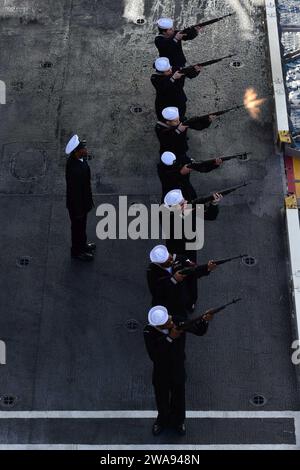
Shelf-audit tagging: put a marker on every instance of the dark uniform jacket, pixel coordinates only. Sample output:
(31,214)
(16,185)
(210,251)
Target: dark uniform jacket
(172,49)
(168,355)
(171,139)
(178,246)
(171,178)
(166,291)
(169,92)
(79,193)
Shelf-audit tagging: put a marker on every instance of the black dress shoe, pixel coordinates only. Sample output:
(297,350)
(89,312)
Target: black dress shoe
(84,256)
(90,247)
(181,429)
(157,429)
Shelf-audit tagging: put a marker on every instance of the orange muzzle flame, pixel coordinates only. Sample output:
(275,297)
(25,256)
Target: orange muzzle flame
(252,103)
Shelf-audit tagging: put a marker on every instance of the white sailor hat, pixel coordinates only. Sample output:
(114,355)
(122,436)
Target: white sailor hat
(162,64)
(168,158)
(158,315)
(165,23)
(72,144)
(170,113)
(174,197)
(159,254)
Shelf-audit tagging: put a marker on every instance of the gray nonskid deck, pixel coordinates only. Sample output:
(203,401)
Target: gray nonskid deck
(64,323)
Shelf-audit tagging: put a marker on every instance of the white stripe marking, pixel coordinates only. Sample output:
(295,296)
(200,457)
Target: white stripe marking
(141,414)
(275,54)
(293,229)
(146,447)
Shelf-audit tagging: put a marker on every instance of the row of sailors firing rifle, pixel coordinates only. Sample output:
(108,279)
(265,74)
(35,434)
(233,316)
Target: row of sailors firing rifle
(175,164)
(173,271)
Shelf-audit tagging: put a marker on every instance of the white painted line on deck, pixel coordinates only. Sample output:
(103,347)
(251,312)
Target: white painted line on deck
(293,229)
(297,429)
(143,414)
(275,55)
(185,447)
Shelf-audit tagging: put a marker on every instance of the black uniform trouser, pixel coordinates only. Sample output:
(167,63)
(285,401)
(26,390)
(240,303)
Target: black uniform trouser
(170,402)
(78,233)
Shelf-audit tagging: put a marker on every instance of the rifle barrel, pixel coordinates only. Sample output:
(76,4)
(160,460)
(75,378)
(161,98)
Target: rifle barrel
(186,325)
(219,309)
(192,269)
(210,197)
(236,155)
(233,188)
(213,61)
(194,119)
(211,160)
(227,260)
(219,113)
(212,21)
(190,71)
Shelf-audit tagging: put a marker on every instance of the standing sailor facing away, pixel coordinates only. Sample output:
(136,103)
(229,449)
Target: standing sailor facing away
(79,198)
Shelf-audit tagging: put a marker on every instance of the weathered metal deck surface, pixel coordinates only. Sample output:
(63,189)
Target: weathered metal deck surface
(79,66)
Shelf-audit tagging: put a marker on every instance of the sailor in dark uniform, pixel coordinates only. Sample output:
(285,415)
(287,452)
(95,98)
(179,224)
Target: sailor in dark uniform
(169,41)
(165,344)
(175,173)
(79,198)
(169,85)
(168,173)
(172,134)
(168,287)
(174,199)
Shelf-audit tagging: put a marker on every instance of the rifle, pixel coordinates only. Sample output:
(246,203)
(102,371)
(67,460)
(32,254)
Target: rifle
(190,71)
(187,324)
(199,165)
(210,197)
(193,269)
(206,23)
(196,122)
